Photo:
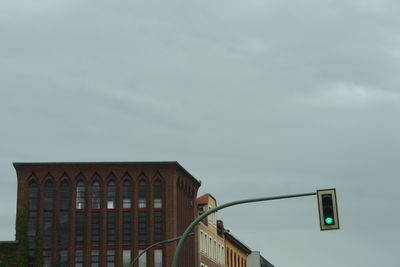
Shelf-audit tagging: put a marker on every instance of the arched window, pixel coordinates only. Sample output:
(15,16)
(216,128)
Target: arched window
(32,218)
(157,194)
(111,195)
(64,195)
(142,194)
(127,195)
(80,195)
(95,195)
(33,196)
(48,195)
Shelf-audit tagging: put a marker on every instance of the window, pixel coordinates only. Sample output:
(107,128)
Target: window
(47,229)
(127,195)
(142,259)
(158,258)
(33,196)
(48,195)
(96,195)
(111,195)
(142,194)
(79,227)
(201,241)
(111,228)
(32,228)
(110,258)
(142,228)
(64,195)
(63,258)
(206,244)
(157,194)
(126,258)
(78,258)
(94,258)
(46,258)
(158,226)
(80,195)
(95,228)
(64,229)
(126,228)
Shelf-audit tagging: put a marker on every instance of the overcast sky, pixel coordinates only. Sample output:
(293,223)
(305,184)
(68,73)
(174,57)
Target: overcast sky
(254,98)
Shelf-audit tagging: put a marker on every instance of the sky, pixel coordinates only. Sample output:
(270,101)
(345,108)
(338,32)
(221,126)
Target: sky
(254,98)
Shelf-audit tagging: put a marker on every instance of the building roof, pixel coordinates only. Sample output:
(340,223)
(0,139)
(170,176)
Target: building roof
(204,199)
(265,263)
(21,165)
(234,240)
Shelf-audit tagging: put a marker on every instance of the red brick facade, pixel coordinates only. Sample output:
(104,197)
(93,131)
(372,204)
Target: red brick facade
(179,190)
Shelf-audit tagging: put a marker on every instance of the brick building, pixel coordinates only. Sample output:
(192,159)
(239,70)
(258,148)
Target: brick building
(103,214)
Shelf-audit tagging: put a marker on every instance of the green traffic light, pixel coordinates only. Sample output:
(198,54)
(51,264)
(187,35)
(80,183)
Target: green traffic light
(329,220)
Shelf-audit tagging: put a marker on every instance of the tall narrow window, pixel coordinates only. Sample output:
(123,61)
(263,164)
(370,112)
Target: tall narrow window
(63,221)
(126,258)
(142,194)
(80,195)
(127,195)
(111,228)
(63,254)
(94,258)
(110,258)
(96,195)
(64,195)
(32,218)
(157,194)
(79,227)
(95,228)
(47,223)
(48,195)
(142,259)
(33,196)
(126,228)
(64,230)
(158,226)
(78,258)
(158,258)
(142,228)
(111,195)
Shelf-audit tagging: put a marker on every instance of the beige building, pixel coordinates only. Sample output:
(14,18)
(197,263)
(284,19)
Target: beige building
(211,240)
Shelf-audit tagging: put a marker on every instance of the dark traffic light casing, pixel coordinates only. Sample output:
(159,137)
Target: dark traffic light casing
(327,207)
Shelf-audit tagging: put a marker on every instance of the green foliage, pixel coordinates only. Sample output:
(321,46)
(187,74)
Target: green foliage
(38,250)
(21,235)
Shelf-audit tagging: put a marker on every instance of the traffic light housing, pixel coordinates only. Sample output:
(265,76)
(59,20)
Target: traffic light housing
(327,206)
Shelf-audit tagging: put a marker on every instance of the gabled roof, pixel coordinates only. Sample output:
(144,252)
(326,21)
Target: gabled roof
(204,199)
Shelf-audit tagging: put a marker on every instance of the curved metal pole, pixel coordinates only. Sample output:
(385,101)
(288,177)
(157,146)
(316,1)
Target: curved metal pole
(205,214)
(154,245)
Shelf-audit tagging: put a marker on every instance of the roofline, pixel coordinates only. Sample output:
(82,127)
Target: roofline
(207,194)
(18,165)
(236,241)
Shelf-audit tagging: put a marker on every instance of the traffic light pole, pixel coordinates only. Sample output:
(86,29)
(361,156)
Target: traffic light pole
(189,229)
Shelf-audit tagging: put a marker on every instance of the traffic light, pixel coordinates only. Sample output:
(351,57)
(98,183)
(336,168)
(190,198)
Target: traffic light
(327,206)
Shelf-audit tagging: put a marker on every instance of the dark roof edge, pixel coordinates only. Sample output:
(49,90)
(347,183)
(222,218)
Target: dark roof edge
(237,242)
(18,165)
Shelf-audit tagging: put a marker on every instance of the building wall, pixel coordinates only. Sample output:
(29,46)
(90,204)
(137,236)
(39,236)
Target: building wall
(211,244)
(254,259)
(178,209)
(236,253)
